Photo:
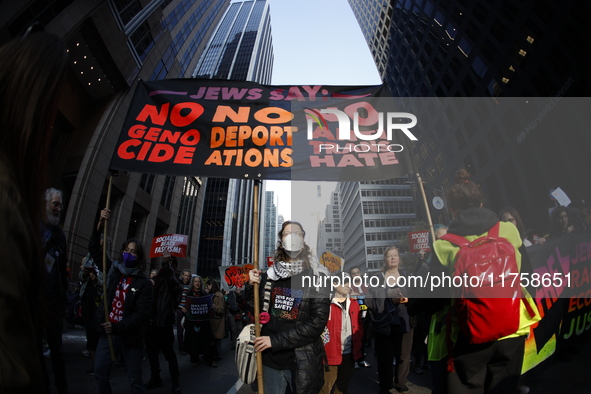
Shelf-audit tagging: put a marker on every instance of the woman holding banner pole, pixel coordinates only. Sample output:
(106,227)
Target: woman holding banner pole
(129,300)
(291,345)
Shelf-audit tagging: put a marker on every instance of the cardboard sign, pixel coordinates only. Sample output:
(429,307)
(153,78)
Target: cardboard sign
(418,240)
(331,261)
(235,276)
(176,244)
(199,308)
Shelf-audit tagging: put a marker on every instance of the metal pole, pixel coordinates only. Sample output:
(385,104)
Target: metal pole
(426,207)
(255,251)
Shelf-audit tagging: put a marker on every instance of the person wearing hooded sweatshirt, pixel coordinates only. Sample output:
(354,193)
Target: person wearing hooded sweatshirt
(291,343)
(129,299)
(492,367)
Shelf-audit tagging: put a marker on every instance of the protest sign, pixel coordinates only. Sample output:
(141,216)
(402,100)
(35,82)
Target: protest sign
(418,240)
(199,308)
(565,301)
(331,261)
(175,244)
(234,276)
(234,129)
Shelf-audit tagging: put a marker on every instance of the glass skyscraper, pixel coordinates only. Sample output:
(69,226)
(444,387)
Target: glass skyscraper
(240,49)
(112,45)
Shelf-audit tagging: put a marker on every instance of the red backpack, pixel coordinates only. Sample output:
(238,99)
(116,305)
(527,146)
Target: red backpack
(490,309)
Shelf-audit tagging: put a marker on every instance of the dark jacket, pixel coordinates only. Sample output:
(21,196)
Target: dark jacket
(304,337)
(56,283)
(166,296)
(136,313)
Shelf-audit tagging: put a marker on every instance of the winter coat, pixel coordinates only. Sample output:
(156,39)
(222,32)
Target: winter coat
(335,320)
(166,296)
(20,293)
(136,313)
(218,326)
(304,337)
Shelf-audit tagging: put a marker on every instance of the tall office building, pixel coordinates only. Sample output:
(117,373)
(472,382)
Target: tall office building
(495,49)
(330,234)
(240,49)
(269,226)
(112,45)
(374,215)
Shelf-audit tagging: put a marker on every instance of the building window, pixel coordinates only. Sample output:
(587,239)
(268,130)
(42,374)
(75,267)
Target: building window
(188,207)
(166,199)
(147,182)
(127,9)
(142,40)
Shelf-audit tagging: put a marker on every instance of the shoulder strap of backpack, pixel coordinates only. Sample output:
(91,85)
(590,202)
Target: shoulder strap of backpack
(455,239)
(494,231)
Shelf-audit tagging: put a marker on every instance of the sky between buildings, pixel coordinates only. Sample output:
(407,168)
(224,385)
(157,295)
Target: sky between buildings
(315,42)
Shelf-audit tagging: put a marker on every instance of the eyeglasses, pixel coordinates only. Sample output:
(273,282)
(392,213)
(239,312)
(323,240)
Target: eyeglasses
(301,234)
(57,204)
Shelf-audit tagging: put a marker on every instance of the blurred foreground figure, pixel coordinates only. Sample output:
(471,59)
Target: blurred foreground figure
(31,74)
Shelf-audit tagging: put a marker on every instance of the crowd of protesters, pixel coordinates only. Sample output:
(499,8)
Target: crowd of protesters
(311,341)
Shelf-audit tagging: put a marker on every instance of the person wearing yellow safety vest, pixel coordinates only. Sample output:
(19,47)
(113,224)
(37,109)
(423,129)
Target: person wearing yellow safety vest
(490,367)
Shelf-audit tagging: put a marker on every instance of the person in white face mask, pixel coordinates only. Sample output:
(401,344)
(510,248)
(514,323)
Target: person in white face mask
(296,316)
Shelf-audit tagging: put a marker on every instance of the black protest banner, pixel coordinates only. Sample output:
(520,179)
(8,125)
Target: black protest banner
(235,129)
(561,269)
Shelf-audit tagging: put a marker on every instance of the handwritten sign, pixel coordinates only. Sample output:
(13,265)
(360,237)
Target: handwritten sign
(235,276)
(176,244)
(332,262)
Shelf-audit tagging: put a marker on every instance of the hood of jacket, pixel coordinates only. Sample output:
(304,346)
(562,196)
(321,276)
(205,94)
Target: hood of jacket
(473,221)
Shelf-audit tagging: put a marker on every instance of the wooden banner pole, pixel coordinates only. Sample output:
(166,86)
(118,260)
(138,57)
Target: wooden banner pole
(431,230)
(105,302)
(255,251)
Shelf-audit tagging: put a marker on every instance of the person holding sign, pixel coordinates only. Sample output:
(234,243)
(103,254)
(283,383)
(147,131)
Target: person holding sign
(291,344)
(197,327)
(129,296)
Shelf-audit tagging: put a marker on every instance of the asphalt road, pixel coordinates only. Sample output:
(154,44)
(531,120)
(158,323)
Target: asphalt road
(568,372)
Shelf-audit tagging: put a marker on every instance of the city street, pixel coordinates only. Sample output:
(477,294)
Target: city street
(566,373)
(203,379)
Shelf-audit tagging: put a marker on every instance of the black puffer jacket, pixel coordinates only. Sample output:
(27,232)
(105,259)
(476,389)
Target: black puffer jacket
(304,337)
(136,313)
